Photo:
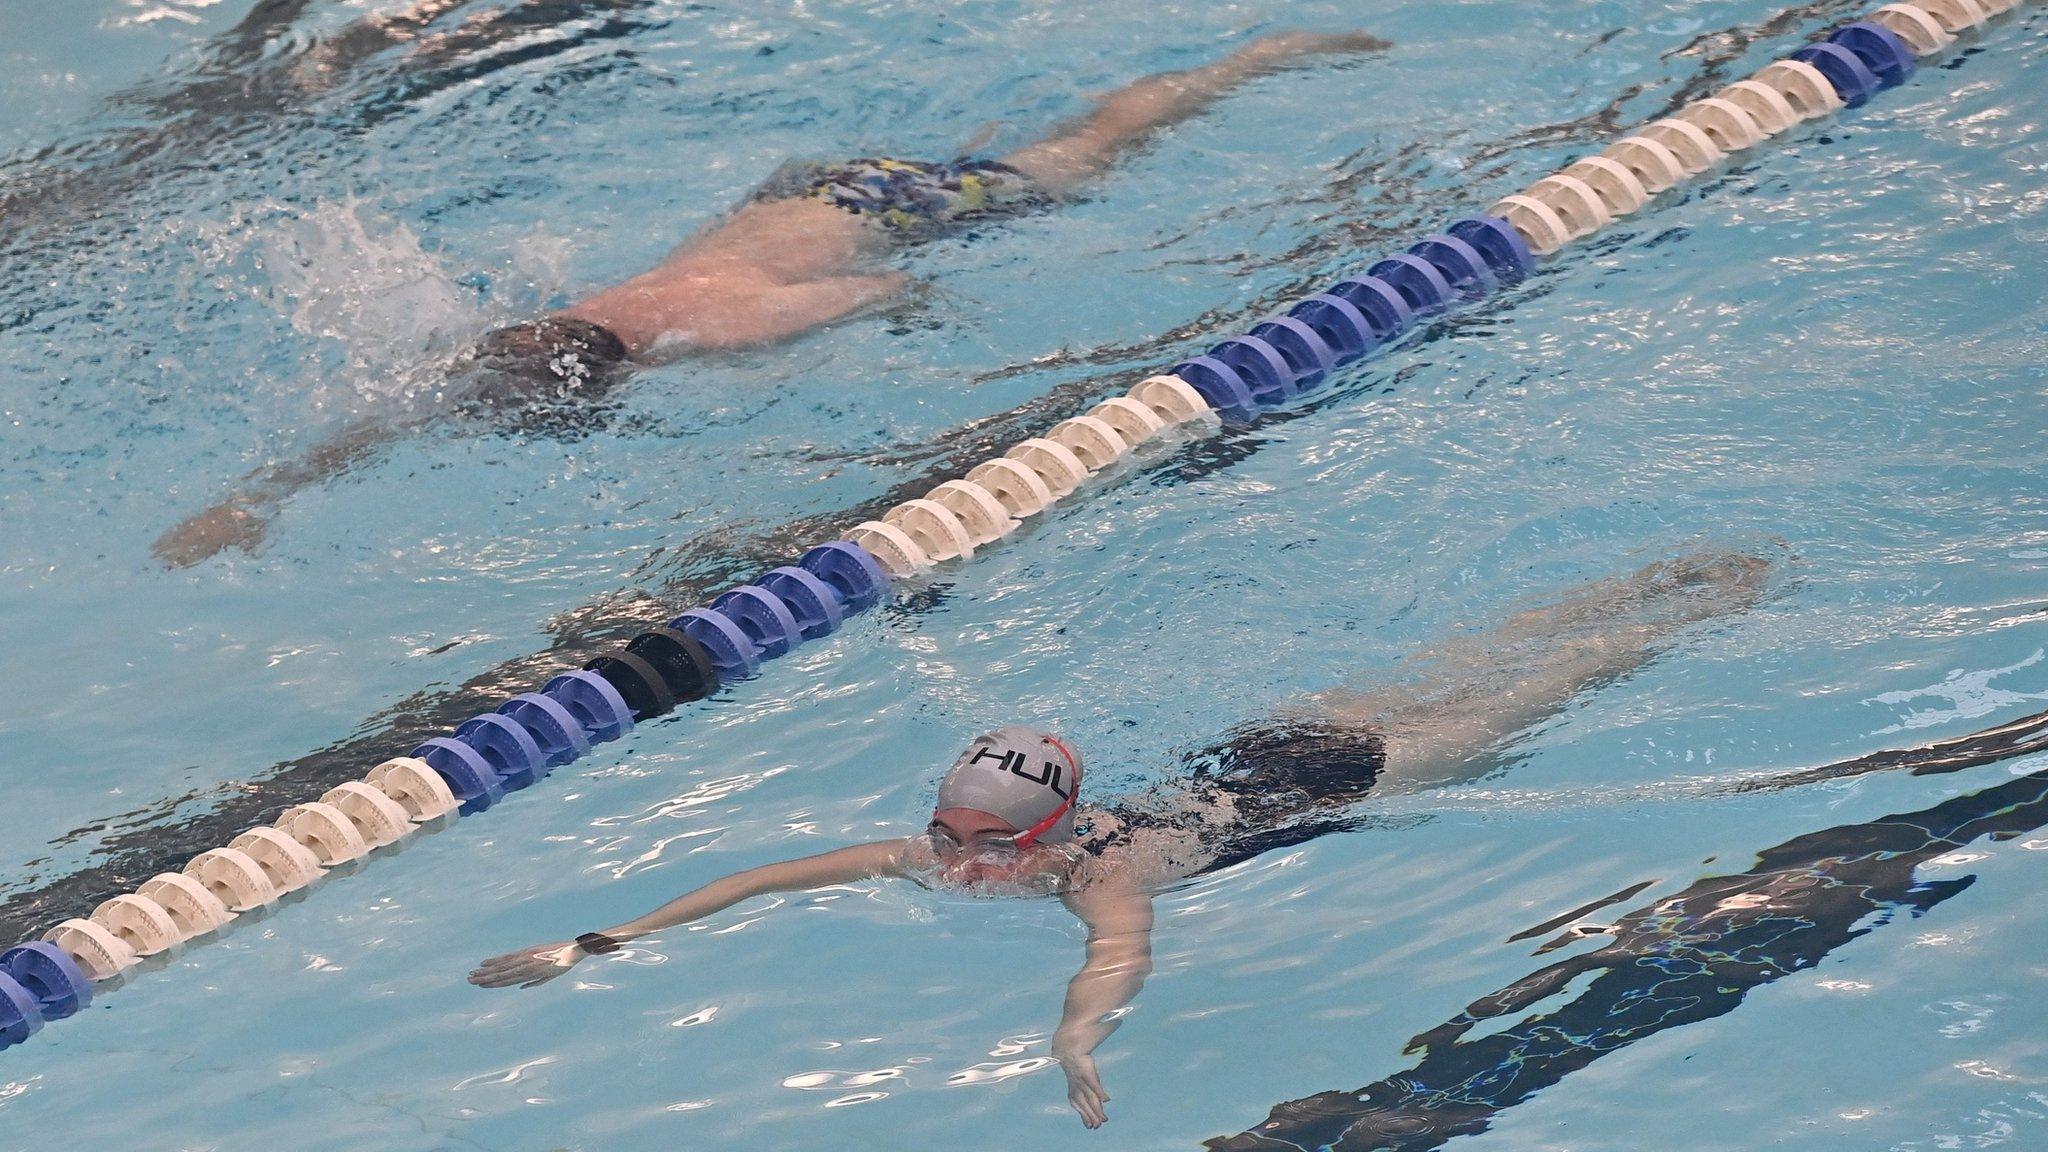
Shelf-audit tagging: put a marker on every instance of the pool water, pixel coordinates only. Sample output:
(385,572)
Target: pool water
(226,230)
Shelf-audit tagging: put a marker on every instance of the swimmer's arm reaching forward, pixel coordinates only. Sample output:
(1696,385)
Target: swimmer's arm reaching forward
(716,312)
(542,963)
(243,516)
(1119,958)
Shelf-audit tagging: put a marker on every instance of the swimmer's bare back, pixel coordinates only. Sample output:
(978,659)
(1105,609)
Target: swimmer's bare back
(771,270)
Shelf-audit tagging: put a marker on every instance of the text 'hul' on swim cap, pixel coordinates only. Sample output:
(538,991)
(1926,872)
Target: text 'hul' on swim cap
(1024,777)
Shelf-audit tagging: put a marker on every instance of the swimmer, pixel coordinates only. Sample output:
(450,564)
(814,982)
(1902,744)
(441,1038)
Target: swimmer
(1009,819)
(802,252)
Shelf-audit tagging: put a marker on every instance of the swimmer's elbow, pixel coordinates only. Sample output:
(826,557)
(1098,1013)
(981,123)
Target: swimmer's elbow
(1127,955)
(840,866)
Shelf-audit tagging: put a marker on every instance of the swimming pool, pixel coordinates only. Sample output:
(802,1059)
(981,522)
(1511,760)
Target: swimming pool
(1833,343)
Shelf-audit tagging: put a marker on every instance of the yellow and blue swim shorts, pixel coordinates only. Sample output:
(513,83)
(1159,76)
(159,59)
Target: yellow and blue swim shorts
(910,196)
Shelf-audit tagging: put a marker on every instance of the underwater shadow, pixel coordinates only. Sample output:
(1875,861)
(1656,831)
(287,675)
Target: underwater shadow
(1684,958)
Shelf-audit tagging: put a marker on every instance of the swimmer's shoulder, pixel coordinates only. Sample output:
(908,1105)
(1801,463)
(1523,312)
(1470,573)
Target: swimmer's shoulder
(1095,828)
(906,856)
(1108,859)
(1112,902)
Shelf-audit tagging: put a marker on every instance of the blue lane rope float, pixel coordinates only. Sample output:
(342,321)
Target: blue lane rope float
(732,653)
(817,609)
(1308,355)
(1845,68)
(1880,49)
(594,702)
(559,733)
(1460,263)
(20,1015)
(519,743)
(38,982)
(1339,323)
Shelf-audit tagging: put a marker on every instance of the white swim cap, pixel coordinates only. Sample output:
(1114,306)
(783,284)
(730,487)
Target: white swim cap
(1021,776)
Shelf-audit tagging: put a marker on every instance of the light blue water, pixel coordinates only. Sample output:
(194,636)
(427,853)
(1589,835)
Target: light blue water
(1836,342)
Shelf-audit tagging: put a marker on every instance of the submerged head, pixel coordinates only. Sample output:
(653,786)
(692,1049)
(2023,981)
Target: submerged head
(1006,801)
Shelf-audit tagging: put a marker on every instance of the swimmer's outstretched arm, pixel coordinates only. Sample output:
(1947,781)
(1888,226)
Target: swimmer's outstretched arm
(543,962)
(1119,958)
(732,313)
(243,516)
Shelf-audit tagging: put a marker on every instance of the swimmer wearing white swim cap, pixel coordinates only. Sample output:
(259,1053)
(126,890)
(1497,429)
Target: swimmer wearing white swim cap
(1005,810)
(1009,822)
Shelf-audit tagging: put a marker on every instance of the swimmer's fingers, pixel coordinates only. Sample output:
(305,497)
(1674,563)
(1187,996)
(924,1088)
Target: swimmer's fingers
(521,975)
(1089,1106)
(1084,1089)
(506,975)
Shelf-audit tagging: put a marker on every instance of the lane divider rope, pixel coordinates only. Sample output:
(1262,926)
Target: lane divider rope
(517,745)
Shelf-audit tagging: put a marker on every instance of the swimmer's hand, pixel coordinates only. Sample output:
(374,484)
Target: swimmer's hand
(1084,1087)
(236,522)
(528,966)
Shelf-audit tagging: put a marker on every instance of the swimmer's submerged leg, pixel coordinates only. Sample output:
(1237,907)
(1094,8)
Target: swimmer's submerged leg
(1448,716)
(1455,706)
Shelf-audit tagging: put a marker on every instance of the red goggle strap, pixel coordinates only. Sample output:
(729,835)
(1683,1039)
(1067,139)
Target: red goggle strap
(1030,835)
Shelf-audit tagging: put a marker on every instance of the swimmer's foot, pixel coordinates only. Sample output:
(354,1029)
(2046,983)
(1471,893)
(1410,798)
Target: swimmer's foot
(232,523)
(1656,598)
(1287,49)
(1704,584)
